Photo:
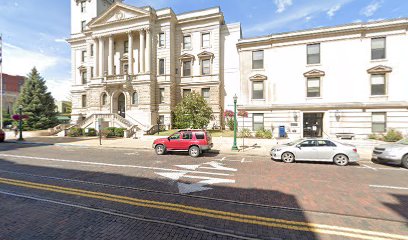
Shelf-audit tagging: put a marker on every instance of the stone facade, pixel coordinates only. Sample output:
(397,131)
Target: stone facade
(132,61)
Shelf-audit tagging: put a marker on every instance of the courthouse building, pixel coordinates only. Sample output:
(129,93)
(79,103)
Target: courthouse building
(132,65)
(11,90)
(344,80)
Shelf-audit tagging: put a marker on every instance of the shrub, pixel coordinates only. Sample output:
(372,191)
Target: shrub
(393,136)
(245,132)
(119,132)
(90,132)
(75,132)
(262,133)
(108,132)
(372,136)
(230,124)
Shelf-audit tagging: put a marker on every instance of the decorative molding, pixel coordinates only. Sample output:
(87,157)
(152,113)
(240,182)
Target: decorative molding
(379,69)
(82,68)
(314,73)
(258,77)
(206,54)
(187,56)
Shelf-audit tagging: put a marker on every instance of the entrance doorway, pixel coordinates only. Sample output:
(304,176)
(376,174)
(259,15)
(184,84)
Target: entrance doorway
(122,105)
(312,124)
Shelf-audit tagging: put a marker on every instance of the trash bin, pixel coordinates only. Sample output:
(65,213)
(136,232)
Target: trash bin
(282,131)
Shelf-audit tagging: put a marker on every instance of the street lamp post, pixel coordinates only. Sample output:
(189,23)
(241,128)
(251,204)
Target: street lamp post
(20,123)
(234,146)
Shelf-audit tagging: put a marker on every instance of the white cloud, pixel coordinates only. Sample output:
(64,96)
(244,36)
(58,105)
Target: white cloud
(308,18)
(60,40)
(295,16)
(370,9)
(332,11)
(19,61)
(281,5)
(59,88)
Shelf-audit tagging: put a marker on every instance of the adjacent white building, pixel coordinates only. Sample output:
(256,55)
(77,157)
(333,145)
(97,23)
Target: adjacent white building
(350,79)
(132,65)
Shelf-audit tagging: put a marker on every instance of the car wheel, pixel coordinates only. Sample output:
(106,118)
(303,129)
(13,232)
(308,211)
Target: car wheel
(160,149)
(341,160)
(288,157)
(194,151)
(405,161)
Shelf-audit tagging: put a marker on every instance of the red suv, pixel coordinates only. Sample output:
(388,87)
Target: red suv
(2,135)
(193,141)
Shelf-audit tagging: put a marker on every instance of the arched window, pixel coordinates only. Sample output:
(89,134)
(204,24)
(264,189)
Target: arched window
(135,99)
(104,99)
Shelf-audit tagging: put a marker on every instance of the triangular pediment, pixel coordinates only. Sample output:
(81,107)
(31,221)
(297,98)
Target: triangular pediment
(186,56)
(379,69)
(206,54)
(314,73)
(118,12)
(258,77)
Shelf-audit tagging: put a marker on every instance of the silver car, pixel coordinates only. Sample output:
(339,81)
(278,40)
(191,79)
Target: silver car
(392,153)
(316,149)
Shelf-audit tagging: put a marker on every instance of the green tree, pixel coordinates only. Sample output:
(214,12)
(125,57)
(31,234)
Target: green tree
(192,112)
(37,103)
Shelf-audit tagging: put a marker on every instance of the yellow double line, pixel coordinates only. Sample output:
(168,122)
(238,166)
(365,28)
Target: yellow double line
(204,212)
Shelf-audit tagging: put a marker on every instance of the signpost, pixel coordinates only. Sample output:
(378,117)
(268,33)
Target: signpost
(100,130)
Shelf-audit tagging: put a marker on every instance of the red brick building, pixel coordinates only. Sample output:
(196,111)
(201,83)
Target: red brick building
(11,90)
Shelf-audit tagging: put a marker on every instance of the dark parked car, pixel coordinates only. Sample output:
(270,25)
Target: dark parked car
(2,135)
(193,141)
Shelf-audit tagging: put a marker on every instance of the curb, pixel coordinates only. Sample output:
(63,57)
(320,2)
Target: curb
(214,151)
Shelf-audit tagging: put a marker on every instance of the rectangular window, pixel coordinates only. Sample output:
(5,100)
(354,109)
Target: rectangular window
(92,50)
(205,67)
(126,47)
(83,25)
(186,68)
(379,122)
(92,72)
(83,76)
(186,92)
(187,42)
(83,101)
(313,53)
(161,39)
(205,92)
(161,100)
(257,90)
(378,85)
(313,87)
(161,66)
(83,6)
(258,59)
(83,56)
(378,48)
(257,121)
(161,119)
(205,40)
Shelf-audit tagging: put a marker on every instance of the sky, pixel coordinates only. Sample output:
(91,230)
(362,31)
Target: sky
(34,31)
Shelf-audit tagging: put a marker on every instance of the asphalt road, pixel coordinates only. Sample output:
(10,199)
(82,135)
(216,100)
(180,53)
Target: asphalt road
(56,192)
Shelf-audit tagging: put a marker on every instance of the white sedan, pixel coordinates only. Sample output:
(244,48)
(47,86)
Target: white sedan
(316,149)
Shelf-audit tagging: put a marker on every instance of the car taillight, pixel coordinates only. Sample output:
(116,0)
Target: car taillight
(355,149)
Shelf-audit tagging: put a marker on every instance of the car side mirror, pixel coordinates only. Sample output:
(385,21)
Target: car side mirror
(169,138)
(299,146)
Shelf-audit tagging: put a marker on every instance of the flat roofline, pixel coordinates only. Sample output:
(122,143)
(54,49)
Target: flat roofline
(199,10)
(311,30)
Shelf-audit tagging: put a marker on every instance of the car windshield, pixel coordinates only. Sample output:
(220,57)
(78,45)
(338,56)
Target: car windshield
(403,141)
(294,142)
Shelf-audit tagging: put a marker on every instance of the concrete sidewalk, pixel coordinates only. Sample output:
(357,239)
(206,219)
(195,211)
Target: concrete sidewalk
(255,147)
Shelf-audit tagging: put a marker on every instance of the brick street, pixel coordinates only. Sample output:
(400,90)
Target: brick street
(64,192)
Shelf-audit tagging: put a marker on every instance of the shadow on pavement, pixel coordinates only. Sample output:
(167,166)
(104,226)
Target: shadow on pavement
(37,220)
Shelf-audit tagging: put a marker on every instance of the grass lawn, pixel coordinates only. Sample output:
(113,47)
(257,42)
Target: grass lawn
(214,133)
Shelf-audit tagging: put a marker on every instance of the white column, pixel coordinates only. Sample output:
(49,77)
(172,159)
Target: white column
(130,53)
(96,58)
(110,59)
(101,57)
(89,63)
(142,51)
(148,50)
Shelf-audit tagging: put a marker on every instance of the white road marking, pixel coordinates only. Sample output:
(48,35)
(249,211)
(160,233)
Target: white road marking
(217,166)
(243,160)
(172,175)
(209,180)
(190,167)
(390,187)
(190,188)
(130,154)
(369,167)
(109,164)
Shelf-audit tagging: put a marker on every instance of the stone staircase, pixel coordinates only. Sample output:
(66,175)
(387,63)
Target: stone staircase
(133,127)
